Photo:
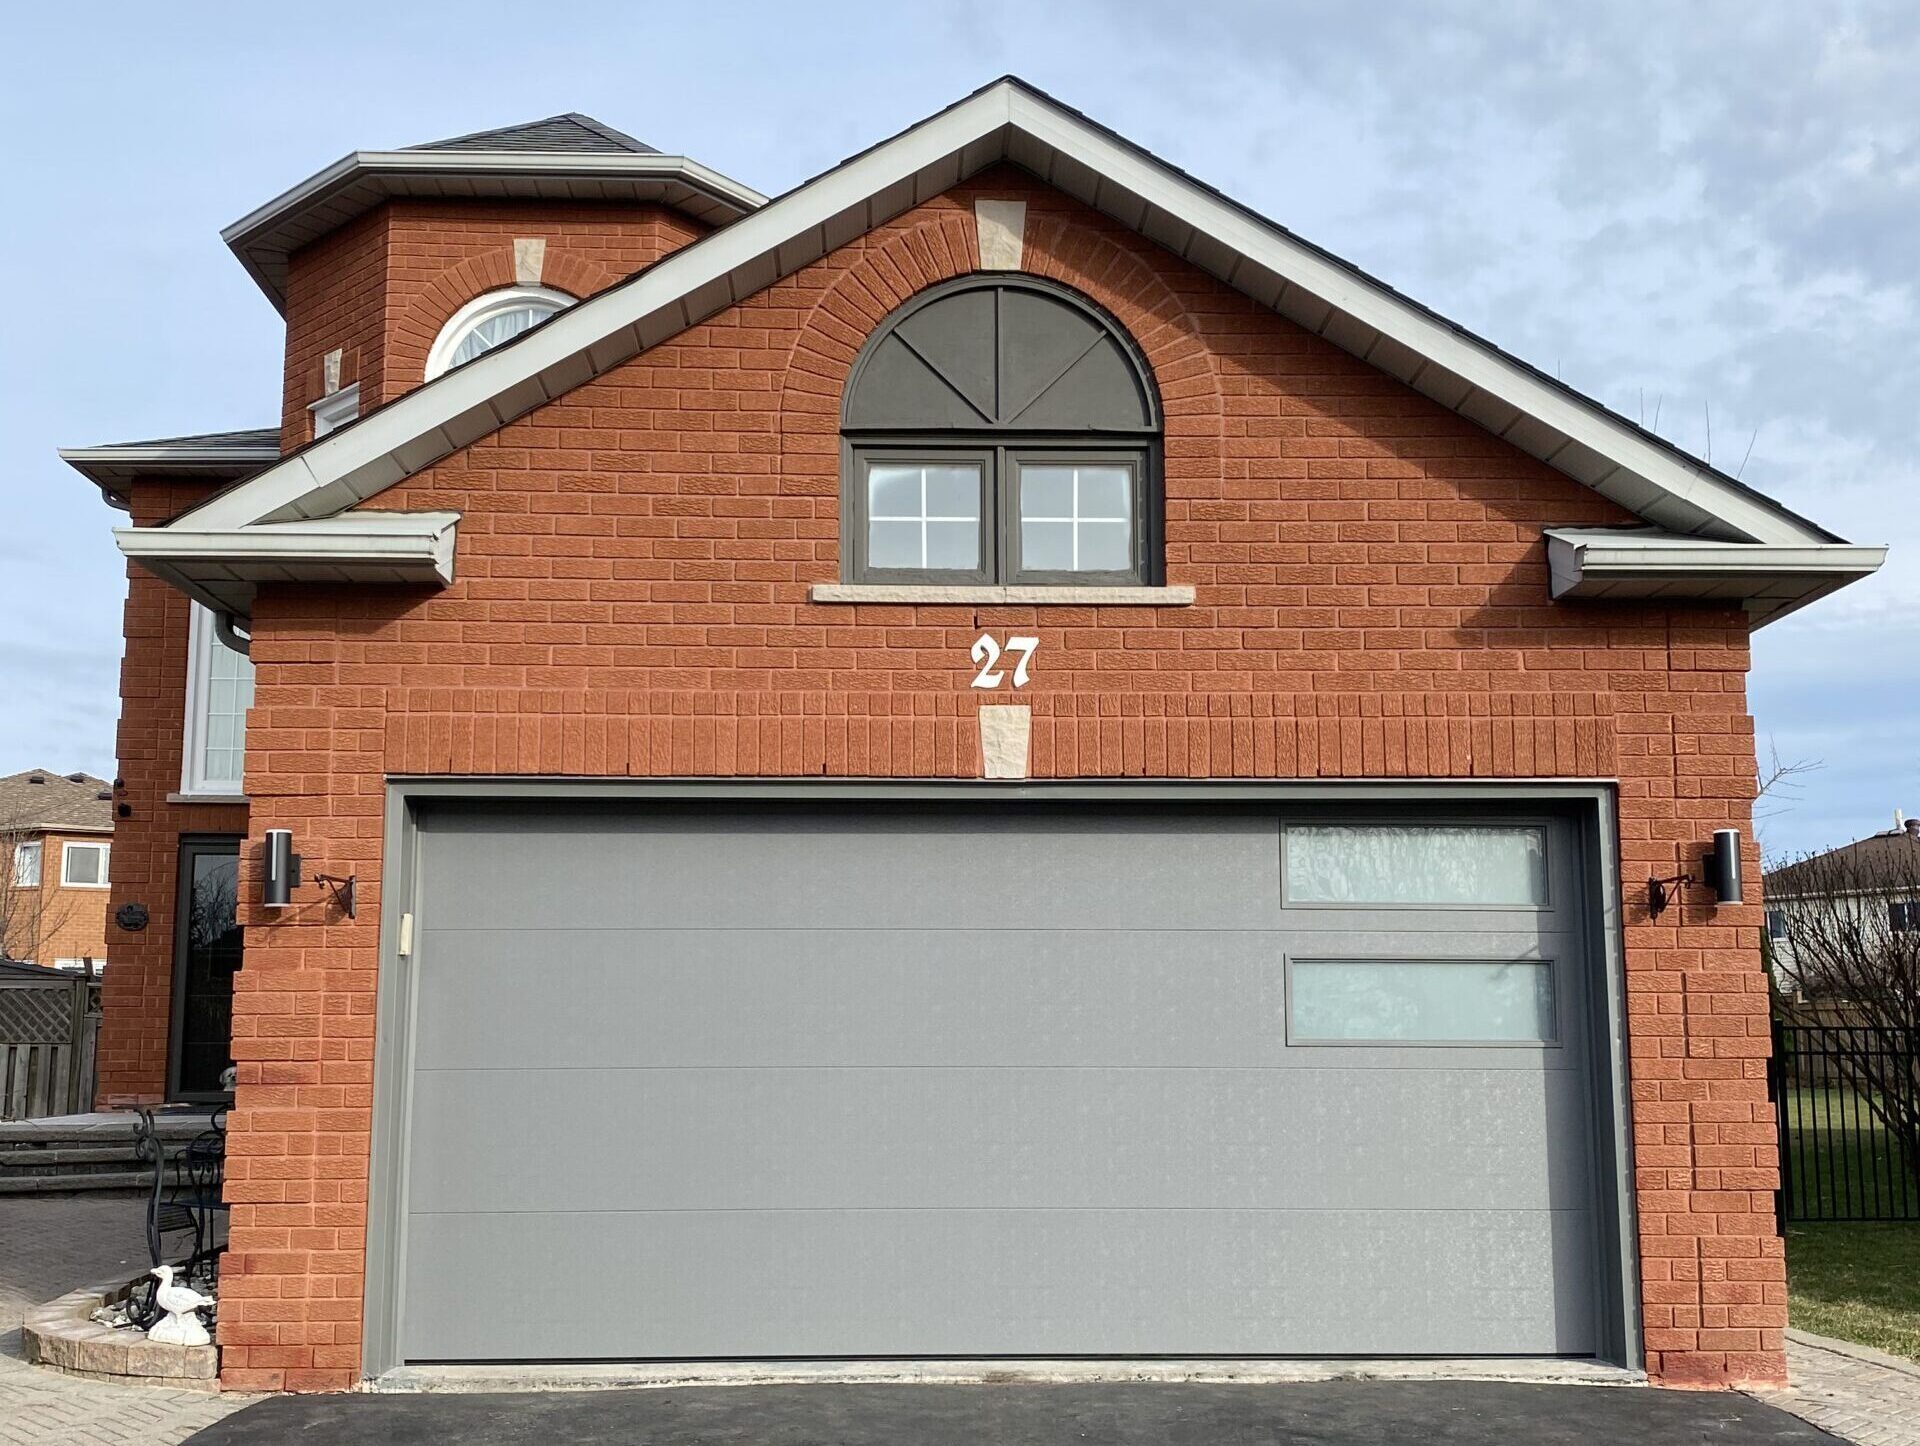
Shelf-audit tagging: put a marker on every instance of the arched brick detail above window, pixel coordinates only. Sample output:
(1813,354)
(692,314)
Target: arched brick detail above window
(897,263)
(430,309)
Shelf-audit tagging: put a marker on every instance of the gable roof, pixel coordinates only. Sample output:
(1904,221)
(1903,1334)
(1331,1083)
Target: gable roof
(1011,121)
(41,799)
(555,135)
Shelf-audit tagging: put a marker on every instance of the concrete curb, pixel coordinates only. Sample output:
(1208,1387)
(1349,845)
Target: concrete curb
(1855,1352)
(658,1376)
(62,1335)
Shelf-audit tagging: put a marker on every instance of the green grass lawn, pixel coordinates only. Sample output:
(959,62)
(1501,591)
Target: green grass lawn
(1841,1162)
(1857,1281)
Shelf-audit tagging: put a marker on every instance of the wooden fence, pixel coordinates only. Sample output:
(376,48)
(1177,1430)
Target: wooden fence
(48,1029)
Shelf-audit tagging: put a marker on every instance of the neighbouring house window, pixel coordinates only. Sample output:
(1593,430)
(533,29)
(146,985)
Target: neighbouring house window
(219,692)
(489,321)
(335,410)
(1000,431)
(1776,923)
(1903,916)
(26,865)
(80,966)
(83,865)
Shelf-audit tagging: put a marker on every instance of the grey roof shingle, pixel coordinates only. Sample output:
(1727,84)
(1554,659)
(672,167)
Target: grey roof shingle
(556,134)
(58,801)
(1879,861)
(246,441)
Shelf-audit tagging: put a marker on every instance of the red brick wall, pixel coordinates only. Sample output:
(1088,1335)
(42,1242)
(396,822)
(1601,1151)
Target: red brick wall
(380,288)
(632,599)
(137,996)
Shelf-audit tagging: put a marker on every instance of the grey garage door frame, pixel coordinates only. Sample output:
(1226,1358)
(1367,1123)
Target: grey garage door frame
(1589,806)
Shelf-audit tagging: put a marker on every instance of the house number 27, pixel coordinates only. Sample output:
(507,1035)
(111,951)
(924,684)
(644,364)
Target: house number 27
(987,652)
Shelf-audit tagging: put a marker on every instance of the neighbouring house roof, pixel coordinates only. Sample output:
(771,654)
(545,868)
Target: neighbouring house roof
(1880,861)
(45,801)
(564,158)
(214,456)
(1772,558)
(554,135)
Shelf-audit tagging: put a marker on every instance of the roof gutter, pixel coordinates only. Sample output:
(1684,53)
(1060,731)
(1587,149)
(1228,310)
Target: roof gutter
(221,567)
(265,229)
(1768,579)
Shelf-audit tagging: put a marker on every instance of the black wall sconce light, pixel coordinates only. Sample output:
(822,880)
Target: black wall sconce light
(282,875)
(1720,870)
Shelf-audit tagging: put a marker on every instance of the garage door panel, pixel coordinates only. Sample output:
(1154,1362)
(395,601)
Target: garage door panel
(612,998)
(587,997)
(848,1139)
(831,1079)
(930,869)
(937,1283)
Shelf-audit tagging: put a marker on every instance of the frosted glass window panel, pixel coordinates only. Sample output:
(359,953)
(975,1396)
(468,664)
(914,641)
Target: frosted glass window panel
(26,866)
(924,516)
(1076,519)
(1490,866)
(1421,1001)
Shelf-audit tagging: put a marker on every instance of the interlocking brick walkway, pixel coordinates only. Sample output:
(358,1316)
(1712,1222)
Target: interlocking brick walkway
(1859,1396)
(47,1247)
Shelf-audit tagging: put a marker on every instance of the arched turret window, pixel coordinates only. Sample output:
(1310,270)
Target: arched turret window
(1001,430)
(487,321)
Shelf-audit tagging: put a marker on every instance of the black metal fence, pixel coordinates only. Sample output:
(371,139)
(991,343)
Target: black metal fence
(1838,1160)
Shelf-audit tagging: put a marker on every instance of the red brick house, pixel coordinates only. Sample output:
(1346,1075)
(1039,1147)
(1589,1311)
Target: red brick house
(992,757)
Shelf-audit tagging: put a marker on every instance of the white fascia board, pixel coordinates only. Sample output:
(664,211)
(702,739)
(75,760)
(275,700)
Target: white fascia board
(82,458)
(402,171)
(623,165)
(410,546)
(420,427)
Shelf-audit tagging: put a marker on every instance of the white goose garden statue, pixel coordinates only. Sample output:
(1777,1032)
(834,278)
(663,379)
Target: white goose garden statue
(182,1327)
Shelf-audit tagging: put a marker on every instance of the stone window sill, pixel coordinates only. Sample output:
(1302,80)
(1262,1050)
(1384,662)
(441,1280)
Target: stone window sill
(206,798)
(1174,595)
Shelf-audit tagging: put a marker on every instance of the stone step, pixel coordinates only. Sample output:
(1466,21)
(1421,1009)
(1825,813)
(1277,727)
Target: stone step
(28,1159)
(74,1181)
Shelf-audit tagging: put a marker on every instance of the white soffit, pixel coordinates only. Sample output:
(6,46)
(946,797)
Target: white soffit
(221,566)
(1008,121)
(1768,580)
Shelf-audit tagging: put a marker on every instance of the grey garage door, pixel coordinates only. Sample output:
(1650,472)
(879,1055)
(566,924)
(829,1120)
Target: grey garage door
(870,1080)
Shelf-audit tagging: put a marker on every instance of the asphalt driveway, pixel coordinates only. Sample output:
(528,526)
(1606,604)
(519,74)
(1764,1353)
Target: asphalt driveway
(1318,1414)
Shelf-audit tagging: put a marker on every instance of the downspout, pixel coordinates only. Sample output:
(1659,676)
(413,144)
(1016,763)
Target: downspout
(226,627)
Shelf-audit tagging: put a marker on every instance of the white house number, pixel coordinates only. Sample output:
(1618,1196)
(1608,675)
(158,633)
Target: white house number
(987,652)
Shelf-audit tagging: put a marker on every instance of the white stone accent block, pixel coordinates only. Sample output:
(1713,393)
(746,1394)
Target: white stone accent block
(330,372)
(1003,230)
(529,259)
(1006,730)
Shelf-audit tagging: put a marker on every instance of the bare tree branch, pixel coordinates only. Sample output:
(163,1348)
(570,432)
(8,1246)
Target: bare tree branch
(1853,945)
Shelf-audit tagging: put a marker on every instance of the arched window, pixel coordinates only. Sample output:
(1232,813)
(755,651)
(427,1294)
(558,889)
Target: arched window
(1000,430)
(487,321)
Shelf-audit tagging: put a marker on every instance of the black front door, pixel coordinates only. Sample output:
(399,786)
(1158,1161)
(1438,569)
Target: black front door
(206,952)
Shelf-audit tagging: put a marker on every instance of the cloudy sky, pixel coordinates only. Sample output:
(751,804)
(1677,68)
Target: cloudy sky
(1689,212)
